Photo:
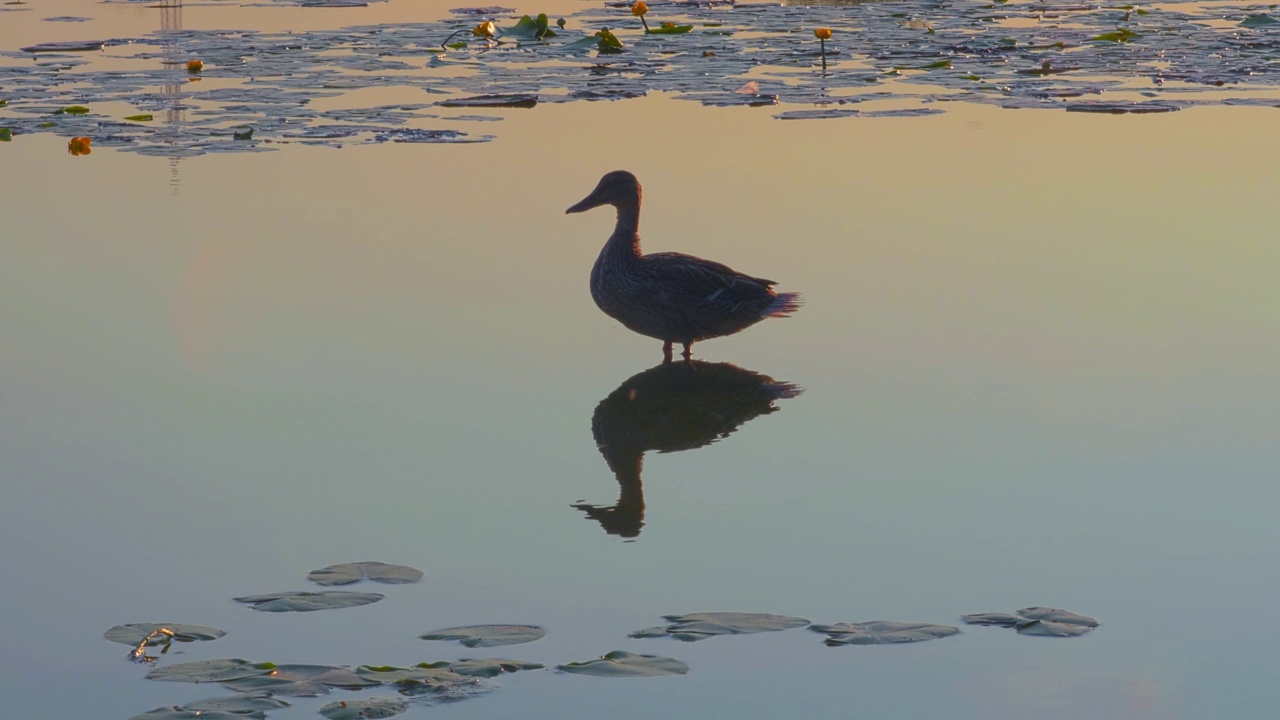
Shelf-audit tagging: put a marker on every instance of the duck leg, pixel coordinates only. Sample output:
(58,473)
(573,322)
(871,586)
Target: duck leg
(666,351)
(688,352)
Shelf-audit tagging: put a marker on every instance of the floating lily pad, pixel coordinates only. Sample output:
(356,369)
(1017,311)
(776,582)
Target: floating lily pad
(301,681)
(1041,621)
(348,573)
(882,632)
(700,626)
(181,713)
(495,101)
(624,664)
(364,709)
(474,636)
(244,704)
(1259,20)
(220,670)
(422,673)
(135,633)
(491,667)
(83,46)
(309,601)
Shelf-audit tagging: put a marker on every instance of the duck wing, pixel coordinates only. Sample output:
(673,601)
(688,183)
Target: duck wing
(714,290)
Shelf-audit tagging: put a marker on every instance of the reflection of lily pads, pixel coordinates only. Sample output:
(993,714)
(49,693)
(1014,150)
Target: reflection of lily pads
(474,636)
(220,670)
(301,681)
(700,626)
(348,573)
(135,633)
(1041,621)
(362,709)
(309,601)
(882,632)
(491,667)
(624,664)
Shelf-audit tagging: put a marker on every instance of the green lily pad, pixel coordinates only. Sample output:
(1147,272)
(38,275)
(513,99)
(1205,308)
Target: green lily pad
(309,601)
(1120,35)
(620,663)
(6,134)
(347,573)
(72,110)
(671,29)
(144,117)
(220,670)
(474,636)
(420,673)
(135,633)
(491,667)
(1040,621)
(529,28)
(364,709)
(700,626)
(302,681)
(882,632)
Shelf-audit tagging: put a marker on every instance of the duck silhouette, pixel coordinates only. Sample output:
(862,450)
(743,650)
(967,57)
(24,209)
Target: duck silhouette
(668,408)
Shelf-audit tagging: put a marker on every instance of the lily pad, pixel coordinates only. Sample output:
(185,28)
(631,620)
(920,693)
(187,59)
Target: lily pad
(347,573)
(220,670)
(181,713)
(491,667)
(474,636)
(1259,20)
(83,46)
(301,681)
(700,626)
(624,664)
(364,709)
(309,601)
(135,633)
(494,101)
(1041,621)
(243,704)
(882,632)
(421,673)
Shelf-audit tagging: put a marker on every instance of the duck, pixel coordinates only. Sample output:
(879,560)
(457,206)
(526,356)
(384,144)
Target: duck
(670,296)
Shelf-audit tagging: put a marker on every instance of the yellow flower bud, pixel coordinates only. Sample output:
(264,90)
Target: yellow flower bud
(639,9)
(194,66)
(822,33)
(485,29)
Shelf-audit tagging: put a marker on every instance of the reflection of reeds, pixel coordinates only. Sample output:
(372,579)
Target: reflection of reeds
(668,408)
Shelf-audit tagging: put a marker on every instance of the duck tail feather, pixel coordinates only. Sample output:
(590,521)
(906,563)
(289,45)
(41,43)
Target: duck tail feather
(783,305)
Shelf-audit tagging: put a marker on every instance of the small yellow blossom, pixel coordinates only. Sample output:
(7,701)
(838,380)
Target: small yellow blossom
(822,33)
(639,9)
(79,146)
(485,29)
(194,66)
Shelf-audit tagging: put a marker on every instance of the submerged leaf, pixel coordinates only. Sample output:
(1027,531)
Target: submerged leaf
(309,601)
(347,573)
(624,664)
(882,632)
(474,636)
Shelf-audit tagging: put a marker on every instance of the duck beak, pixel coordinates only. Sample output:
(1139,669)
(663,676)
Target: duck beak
(588,202)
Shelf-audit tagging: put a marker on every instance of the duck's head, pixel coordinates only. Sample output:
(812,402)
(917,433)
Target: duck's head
(618,188)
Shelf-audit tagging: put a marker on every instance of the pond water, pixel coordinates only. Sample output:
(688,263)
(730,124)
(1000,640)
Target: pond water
(1036,367)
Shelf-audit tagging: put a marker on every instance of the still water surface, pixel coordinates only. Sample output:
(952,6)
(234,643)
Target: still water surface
(1038,357)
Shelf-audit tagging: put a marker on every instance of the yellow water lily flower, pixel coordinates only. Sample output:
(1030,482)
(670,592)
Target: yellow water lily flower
(639,9)
(822,33)
(194,66)
(79,146)
(485,29)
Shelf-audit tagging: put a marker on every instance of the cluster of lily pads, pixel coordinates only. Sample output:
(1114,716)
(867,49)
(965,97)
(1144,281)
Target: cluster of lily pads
(259,686)
(1077,56)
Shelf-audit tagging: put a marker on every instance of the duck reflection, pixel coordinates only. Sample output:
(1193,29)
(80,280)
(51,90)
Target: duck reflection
(671,407)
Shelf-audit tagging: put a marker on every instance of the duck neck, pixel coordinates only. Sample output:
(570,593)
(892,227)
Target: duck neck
(626,234)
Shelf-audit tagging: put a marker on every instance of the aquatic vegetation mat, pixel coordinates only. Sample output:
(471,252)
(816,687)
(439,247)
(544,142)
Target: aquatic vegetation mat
(474,636)
(348,573)
(1041,621)
(700,626)
(243,90)
(882,632)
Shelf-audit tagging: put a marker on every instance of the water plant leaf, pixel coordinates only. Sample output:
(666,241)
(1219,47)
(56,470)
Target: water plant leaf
(620,663)
(494,101)
(144,117)
(134,633)
(420,673)
(1118,36)
(474,636)
(1041,621)
(347,573)
(243,704)
(529,28)
(181,713)
(670,29)
(491,667)
(72,110)
(882,632)
(301,681)
(82,46)
(1259,20)
(308,601)
(700,626)
(368,708)
(219,670)
(6,134)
